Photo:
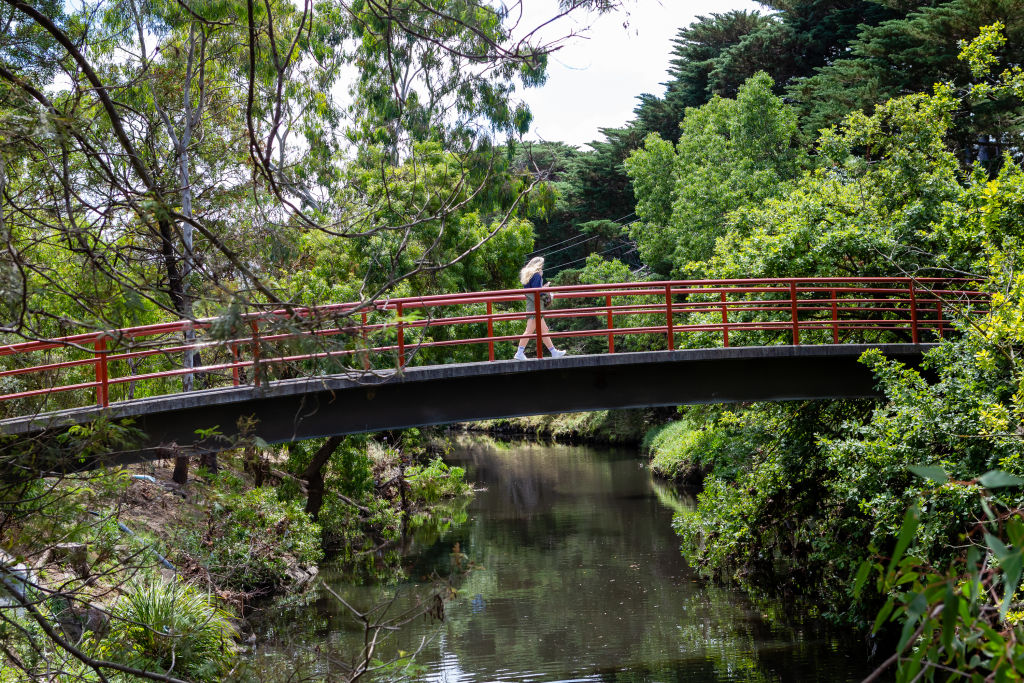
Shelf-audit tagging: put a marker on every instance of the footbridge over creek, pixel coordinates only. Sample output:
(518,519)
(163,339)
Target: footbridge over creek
(308,372)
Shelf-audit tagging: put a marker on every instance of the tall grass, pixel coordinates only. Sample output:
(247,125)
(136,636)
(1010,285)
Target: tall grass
(172,628)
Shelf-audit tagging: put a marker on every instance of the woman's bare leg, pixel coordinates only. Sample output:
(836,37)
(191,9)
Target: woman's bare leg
(545,332)
(531,327)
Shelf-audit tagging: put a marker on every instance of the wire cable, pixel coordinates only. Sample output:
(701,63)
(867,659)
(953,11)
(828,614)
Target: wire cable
(599,253)
(571,246)
(546,249)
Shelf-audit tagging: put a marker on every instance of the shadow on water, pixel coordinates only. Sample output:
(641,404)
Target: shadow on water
(574,573)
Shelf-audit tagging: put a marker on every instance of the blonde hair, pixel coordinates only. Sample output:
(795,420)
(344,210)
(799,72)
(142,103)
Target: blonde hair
(535,265)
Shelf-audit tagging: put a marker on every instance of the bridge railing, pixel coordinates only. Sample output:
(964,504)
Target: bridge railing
(251,349)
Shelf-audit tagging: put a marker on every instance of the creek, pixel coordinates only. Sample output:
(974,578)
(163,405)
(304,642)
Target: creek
(566,568)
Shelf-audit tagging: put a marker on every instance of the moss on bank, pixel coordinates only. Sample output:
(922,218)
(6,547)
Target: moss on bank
(702,441)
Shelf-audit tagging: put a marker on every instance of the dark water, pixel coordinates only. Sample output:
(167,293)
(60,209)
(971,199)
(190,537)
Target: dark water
(570,572)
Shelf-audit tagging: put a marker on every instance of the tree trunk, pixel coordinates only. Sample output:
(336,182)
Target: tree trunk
(176,292)
(314,476)
(180,475)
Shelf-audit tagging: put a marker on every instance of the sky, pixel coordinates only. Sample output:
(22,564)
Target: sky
(593,81)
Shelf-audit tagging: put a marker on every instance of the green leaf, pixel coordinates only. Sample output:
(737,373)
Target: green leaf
(862,575)
(930,472)
(1011,566)
(883,614)
(988,511)
(917,607)
(995,479)
(949,614)
(998,548)
(1015,531)
(907,531)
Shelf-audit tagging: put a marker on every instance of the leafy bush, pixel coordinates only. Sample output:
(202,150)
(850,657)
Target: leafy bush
(172,628)
(251,539)
(435,481)
(705,441)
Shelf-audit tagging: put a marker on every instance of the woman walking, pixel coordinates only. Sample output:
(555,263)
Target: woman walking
(531,276)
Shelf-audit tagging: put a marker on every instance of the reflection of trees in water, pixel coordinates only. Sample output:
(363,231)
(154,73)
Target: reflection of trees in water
(579,573)
(526,477)
(673,498)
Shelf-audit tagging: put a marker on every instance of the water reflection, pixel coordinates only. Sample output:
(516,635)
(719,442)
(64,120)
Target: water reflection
(576,575)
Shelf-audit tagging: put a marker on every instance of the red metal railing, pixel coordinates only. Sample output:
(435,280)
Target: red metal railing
(698,313)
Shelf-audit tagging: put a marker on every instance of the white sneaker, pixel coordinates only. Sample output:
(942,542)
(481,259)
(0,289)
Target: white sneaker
(555,353)
(520,354)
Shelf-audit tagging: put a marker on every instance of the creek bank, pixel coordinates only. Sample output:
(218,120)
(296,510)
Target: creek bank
(601,427)
(123,541)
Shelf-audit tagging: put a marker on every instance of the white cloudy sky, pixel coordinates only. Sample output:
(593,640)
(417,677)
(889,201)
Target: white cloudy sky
(593,82)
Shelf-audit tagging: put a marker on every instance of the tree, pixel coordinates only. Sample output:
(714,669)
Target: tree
(165,160)
(731,154)
(908,54)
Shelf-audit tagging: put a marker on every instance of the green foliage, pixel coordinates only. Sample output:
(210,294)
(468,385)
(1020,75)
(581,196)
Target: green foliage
(159,626)
(910,52)
(248,539)
(436,481)
(599,426)
(731,153)
(956,617)
(705,442)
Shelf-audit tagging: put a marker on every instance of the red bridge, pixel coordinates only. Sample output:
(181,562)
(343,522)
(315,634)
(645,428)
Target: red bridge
(305,372)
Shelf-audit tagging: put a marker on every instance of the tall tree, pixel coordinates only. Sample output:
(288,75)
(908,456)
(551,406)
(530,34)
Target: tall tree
(909,54)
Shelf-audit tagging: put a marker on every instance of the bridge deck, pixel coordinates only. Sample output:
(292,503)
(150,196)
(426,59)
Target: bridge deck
(286,410)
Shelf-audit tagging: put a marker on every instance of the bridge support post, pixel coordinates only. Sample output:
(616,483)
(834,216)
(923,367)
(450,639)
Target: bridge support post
(102,372)
(539,322)
(490,331)
(914,334)
(611,324)
(257,371)
(835,318)
(234,359)
(670,327)
(725,322)
(401,336)
(795,312)
(364,353)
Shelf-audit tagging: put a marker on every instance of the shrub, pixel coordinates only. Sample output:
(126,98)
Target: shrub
(432,482)
(252,539)
(700,444)
(171,628)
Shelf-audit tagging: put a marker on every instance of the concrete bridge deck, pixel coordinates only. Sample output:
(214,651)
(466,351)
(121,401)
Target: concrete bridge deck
(306,408)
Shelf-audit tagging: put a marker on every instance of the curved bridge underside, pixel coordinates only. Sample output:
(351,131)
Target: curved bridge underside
(289,410)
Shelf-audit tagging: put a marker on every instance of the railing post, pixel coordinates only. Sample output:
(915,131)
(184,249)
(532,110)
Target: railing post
(938,304)
(835,318)
(538,321)
(725,322)
(234,359)
(490,331)
(611,323)
(365,353)
(669,324)
(914,335)
(401,336)
(102,372)
(795,312)
(257,371)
